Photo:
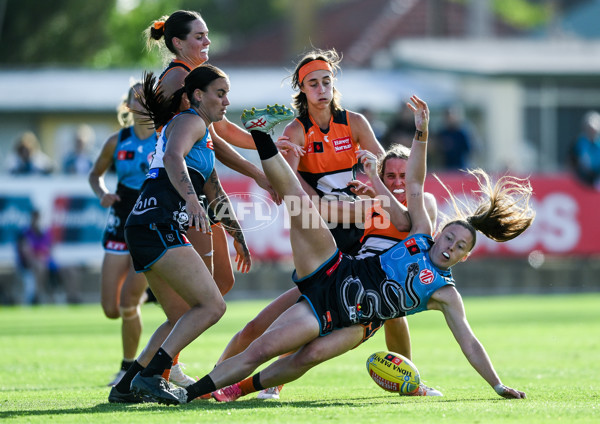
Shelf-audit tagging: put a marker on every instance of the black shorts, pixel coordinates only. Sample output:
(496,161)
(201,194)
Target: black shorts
(348,239)
(148,243)
(113,239)
(321,290)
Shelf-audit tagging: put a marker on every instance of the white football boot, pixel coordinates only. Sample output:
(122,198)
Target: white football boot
(424,390)
(270,393)
(178,377)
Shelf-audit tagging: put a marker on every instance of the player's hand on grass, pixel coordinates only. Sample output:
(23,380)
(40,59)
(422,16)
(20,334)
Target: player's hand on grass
(509,393)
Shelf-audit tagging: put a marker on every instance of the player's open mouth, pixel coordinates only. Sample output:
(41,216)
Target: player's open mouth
(204,50)
(446,255)
(398,191)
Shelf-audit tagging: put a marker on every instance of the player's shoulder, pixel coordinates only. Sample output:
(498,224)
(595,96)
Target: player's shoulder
(113,139)
(295,131)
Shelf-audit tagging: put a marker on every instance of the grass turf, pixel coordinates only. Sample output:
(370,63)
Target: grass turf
(56,360)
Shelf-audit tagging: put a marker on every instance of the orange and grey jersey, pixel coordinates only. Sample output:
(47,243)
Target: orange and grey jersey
(175,63)
(330,159)
(328,165)
(380,233)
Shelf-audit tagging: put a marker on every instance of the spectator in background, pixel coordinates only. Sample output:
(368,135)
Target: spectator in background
(453,143)
(585,152)
(34,260)
(401,129)
(41,274)
(78,161)
(28,159)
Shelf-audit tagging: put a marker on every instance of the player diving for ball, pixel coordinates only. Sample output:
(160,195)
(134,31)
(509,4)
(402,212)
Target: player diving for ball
(340,292)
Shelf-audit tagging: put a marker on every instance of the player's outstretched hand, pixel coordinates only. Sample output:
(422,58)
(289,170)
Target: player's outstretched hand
(421,112)
(509,393)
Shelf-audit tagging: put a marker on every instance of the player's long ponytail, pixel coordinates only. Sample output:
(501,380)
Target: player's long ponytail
(502,212)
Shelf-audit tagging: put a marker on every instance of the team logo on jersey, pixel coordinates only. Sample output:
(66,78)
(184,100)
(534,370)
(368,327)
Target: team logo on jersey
(342,144)
(125,154)
(317,147)
(209,143)
(412,247)
(426,276)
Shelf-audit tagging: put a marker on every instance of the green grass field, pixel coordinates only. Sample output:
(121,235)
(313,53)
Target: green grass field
(55,361)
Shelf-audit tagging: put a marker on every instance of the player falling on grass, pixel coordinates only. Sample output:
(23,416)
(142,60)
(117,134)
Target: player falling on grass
(379,235)
(340,291)
(329,136)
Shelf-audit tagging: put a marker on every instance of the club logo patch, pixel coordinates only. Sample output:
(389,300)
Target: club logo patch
(125,155)
(426,276)
(412,247)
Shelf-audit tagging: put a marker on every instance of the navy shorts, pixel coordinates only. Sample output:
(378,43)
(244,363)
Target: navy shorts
(148,243)
(113,239)
(321,290)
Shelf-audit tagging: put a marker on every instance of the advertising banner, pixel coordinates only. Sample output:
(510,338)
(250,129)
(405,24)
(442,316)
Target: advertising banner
(565,223)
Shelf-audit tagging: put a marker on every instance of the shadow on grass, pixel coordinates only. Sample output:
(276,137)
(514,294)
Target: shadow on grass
(248,404)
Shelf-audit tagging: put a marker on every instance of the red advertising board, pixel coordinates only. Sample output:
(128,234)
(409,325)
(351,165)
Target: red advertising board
(565,224)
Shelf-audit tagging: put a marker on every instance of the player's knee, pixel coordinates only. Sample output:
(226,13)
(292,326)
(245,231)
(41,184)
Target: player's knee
(111,311)
(310,357)
(257,355)
(215,311)
(251,331)
(129,312)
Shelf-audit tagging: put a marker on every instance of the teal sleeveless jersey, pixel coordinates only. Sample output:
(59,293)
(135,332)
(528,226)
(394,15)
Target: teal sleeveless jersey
(407,263)
(132,158)
(201,157)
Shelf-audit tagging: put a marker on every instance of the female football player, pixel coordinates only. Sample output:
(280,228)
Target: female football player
(340,291)
(183,37)
(155,231)
(129,151)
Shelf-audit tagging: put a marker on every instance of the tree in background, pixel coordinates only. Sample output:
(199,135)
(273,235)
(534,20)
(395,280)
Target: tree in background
(108,33)
(57,32)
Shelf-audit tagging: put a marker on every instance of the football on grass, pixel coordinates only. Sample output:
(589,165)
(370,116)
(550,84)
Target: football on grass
(393,372)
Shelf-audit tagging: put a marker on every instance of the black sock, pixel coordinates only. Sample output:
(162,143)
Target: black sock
(201,387)
(125,365)
(256,382)
(123,385)
(158,364)
(264,145)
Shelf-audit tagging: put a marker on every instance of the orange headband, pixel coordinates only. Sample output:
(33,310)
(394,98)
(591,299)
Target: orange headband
(159,25)
(313,65)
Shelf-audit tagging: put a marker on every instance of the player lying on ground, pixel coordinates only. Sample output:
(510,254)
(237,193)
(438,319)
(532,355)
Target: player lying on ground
(339,291)
(379,235)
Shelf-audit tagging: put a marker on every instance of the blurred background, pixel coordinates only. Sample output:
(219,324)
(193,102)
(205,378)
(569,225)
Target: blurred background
(513,86)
